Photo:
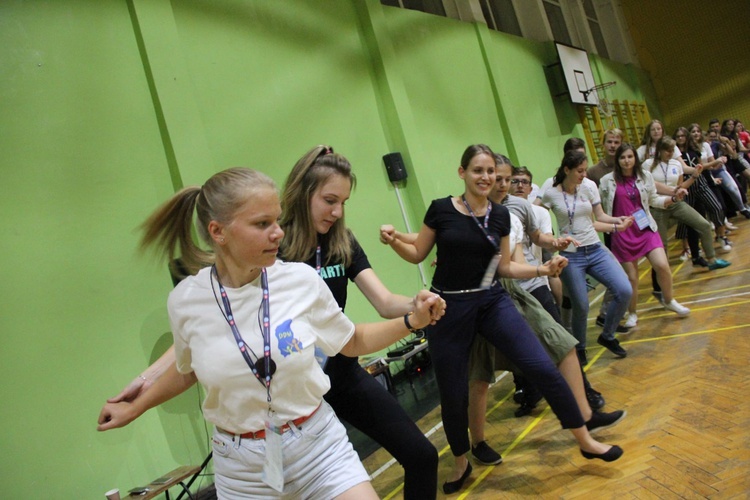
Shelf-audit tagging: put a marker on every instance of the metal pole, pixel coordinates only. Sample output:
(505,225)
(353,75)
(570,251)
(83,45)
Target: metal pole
(408,230)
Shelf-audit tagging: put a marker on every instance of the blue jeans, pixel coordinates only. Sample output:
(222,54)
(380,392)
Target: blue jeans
(729,185)
(598,262)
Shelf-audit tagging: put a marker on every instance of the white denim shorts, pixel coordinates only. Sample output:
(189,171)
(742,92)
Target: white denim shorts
(319,462)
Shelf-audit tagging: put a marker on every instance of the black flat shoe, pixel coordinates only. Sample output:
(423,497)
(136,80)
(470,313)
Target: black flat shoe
(595,398)
(613,345)
(611,455)
(450,487)
(601,420)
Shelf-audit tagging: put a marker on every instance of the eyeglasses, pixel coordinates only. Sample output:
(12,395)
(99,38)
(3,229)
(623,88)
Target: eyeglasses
(524,182)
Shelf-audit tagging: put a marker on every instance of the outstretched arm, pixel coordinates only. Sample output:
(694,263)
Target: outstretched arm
(371,337)
(388,304)
(142,382)
(408,247)
(548,241)
(170,384)
(518,269)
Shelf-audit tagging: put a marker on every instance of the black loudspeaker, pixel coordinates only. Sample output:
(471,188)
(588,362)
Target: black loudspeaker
(394,165)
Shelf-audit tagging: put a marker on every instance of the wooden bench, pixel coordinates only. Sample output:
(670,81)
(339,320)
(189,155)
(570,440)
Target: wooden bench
(167,481)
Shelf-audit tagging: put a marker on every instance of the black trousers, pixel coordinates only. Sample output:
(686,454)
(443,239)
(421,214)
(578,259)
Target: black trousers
(359,399)
(492,314)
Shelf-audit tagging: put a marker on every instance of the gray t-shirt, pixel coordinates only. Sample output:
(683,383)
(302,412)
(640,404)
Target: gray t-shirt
(575,213)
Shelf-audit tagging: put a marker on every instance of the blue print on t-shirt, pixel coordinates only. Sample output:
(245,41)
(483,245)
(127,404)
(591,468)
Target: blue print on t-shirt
(287,343)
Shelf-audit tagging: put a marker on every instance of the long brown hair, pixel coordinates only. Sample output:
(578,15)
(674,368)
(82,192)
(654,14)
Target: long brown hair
(309,173)
(692,143)
(647,141)
(571,160)
(169,227)
(637,168)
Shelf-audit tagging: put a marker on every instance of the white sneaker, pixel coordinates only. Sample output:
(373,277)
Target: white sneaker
(725,245)
(675,306)
(631,319)
(685,255)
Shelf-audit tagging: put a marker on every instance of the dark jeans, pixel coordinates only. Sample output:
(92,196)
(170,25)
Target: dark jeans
(359,399)
(492,314)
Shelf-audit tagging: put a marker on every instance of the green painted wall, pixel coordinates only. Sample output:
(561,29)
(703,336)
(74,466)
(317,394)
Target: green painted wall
(109,106)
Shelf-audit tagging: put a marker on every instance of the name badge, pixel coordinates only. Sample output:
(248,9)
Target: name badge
(641,219)
(273,470)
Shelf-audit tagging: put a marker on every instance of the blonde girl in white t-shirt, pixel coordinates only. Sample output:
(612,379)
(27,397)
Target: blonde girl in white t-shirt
(247,328)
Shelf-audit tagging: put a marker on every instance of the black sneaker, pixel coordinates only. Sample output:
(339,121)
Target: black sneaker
(613,345)
(601,420)
(620,329)
(531,397)
(485,455)
(700,261)
(596,401)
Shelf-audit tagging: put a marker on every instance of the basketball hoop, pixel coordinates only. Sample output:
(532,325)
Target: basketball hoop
(596,88)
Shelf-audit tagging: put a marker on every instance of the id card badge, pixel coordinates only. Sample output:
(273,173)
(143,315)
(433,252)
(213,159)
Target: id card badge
(641,219)
(273,470)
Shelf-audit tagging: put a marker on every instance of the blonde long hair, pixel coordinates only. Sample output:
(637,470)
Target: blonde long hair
(169,227)
(309,173)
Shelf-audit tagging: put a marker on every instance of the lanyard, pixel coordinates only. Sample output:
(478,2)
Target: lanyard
(269,367)
(631,185)
(320,356)
(483,227)
(665,170)
(571,213)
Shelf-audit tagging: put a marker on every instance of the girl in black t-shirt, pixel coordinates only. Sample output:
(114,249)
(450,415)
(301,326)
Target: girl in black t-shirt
(469,231)
(313,220)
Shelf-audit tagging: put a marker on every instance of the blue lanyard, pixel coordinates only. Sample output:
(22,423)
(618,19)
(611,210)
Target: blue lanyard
(482,227)
(320,356)
(269,367)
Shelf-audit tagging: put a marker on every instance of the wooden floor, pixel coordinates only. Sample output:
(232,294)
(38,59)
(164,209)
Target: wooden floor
(685,385)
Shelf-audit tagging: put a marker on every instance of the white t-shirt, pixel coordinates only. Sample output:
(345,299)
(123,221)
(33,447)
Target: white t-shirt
(580,206)
(534,192)
(706,153)
(667,173)
(516,232)
(642,152)
(303,314)
(545,186)
(545,227)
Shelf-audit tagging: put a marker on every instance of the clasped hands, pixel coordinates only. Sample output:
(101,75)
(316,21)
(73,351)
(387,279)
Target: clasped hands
(555,265)
(625,222)
(428,305)
(563,242)
(387,234)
